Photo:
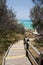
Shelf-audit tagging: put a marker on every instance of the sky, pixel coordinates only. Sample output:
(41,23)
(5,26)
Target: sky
(21,7)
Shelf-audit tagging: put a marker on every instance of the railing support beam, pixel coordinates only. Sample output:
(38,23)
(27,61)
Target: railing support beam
(40,54)
(27,47)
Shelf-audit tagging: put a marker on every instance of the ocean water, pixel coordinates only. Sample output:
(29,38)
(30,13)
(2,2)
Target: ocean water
(26,23)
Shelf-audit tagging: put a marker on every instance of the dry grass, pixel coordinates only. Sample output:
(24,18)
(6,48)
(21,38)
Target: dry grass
(36,44)
(11,38)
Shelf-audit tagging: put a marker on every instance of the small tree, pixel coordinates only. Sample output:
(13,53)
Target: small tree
(37,16)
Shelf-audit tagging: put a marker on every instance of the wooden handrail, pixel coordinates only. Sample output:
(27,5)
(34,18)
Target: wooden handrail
(34,48)
(30,56)
(3,62)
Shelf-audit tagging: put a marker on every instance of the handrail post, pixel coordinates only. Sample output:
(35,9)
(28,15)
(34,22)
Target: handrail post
(41,59)
(27,46)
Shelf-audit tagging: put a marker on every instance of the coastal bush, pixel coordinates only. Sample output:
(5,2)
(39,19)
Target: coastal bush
(36,15)
(9,27)
(8,20)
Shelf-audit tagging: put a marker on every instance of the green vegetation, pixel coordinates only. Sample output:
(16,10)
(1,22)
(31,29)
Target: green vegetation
(7,40)
(36,15)
(10,30)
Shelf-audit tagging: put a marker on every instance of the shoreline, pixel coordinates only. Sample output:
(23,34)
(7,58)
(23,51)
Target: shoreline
(26,25)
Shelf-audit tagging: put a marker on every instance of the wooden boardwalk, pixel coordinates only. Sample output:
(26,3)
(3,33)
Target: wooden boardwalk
(16,55)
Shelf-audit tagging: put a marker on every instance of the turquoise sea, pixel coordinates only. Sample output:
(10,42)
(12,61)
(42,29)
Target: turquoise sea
(26,23)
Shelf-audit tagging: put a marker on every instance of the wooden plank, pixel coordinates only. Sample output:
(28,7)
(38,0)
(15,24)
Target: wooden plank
(16,55)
